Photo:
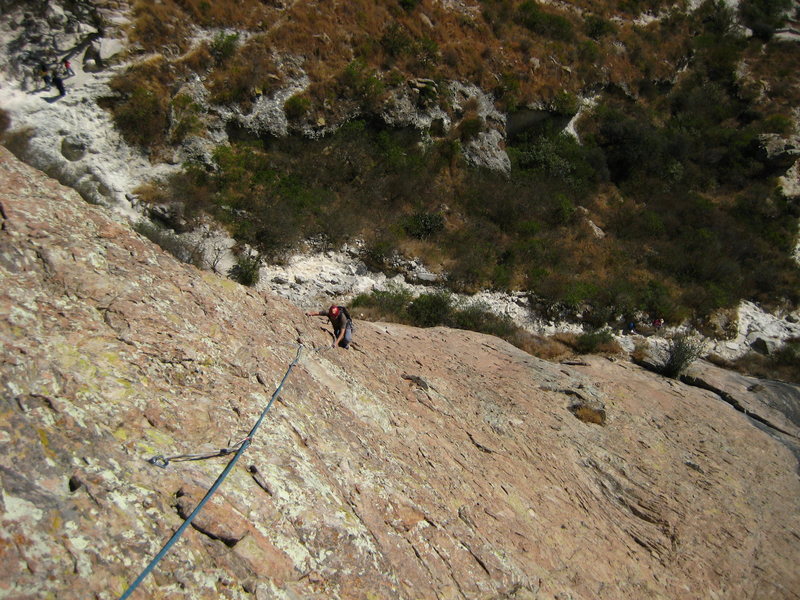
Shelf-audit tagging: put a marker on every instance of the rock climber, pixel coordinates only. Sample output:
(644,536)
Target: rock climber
(342,324)
(44,73)
(59,83)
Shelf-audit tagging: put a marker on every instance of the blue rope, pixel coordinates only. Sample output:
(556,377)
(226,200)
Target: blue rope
(214,487)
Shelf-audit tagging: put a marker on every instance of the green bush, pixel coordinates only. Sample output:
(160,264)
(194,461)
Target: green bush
(589,52)
(589,342)
(297,106)
(185,118)
(470,128)
(780,124)
(560,157)
(764,16)
(565,104)
(545,23)
(682,351)
(789,354)
(478,317)
(409,5)
(596,27)
(392,302)
(424,225)
(142,116)
(363,85)
(507,91)
(224,46)
(246,270)
(430,310)
(396,41)
(565,209)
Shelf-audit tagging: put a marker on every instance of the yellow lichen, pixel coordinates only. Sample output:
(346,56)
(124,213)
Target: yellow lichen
(43,439)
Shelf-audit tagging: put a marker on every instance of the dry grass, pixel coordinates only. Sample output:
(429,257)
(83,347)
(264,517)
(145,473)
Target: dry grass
(241,14)
(141,102)
(776,66)
(197,60)
(589,414)
(546,348)
(765,367)
(149,193)
(250,72)
(160,27)
(462,46)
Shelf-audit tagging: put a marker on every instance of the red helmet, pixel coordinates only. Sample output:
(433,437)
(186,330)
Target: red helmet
(333,311)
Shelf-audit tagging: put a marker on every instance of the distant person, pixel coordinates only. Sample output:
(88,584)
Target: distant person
(67,68)
(59,83)
(44,73)
(342,324)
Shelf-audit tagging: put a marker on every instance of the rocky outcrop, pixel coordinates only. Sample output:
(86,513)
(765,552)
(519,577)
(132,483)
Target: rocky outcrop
(755,329)
(418,464)
(773,404)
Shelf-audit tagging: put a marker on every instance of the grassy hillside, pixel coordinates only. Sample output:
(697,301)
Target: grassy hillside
(670,165)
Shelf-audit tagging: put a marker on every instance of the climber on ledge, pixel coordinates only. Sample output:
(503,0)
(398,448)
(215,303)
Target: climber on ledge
(342,324)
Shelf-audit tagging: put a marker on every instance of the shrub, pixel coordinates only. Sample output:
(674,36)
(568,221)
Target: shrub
(589,52)
(682,351)
(297,106)
(363,85)
(596,27)
(423,225)
(409,5)
(248,72)
(378,253)
(246,270)
(185,118)
(565,209)
(565,104)
(783,365)
(160,27)
(142,116)
(396,41)
(430,310)
(224,46)
(789,354)
(391,303)
(426,52)
(508,91)
(764,16)
(478,317)
(592,341)
(545,23)
(777,124)
(470,128)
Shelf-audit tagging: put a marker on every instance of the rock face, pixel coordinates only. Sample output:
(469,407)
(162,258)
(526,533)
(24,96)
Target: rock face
(774,405)
(418,464)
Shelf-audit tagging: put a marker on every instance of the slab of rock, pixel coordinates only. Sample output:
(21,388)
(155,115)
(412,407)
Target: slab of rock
(360,483)
(775,404)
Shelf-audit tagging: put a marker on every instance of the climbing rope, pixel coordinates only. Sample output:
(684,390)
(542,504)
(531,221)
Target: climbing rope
(244,445)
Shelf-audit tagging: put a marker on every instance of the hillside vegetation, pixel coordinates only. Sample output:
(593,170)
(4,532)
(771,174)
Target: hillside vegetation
(670,164)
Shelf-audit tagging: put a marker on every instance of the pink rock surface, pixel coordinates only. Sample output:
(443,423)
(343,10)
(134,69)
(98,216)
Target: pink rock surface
(361,483)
